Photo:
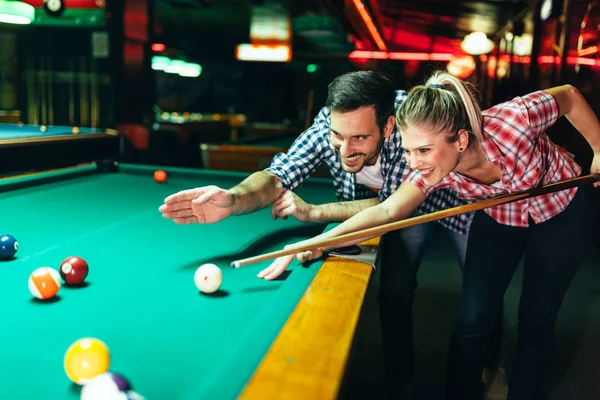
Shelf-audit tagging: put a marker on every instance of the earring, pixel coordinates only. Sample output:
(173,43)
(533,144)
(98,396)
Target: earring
(460,149)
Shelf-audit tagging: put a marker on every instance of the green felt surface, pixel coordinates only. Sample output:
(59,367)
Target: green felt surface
(171,341)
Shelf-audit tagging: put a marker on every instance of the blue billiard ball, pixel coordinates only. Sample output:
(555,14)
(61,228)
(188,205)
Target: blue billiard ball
(8,246)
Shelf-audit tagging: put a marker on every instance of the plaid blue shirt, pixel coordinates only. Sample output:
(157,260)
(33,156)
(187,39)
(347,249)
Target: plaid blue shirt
(314,147)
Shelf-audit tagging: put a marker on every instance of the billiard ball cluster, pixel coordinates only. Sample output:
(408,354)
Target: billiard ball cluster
(45,282)
(87,363)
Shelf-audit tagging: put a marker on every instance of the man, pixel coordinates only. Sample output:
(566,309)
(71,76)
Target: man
(355,136)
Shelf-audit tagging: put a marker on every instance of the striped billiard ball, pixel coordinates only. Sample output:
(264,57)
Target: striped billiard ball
(44,283)
(73,270)
(8,246)
(85,359)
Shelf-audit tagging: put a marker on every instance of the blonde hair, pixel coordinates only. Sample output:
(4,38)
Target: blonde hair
(446,104)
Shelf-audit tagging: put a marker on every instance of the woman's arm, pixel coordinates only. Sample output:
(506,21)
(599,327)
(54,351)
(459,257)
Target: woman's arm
(576,109)
(398,206)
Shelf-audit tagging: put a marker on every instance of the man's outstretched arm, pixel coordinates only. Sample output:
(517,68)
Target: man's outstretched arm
(210,204)
(290,204)
(256,192)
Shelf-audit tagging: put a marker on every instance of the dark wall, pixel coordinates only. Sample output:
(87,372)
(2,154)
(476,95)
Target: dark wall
(60,81)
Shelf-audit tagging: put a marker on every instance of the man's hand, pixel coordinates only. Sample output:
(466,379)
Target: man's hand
(290,203)
(280,264)
(204,205)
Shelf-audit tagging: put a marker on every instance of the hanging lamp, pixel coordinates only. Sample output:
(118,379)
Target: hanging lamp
(16,12)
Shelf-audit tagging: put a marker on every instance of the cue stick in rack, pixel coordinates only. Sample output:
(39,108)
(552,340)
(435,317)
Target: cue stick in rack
(405,223)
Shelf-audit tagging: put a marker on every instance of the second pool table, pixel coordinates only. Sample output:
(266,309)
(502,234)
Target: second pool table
(33,147)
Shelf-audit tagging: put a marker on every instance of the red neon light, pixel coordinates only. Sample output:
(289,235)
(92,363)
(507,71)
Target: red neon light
(522,59)
(554,60)
(408,56)
(373,55)
(360,7)
(582,61)
(382,55)
(90,4)
(441,56)
(547,59)
(158,47)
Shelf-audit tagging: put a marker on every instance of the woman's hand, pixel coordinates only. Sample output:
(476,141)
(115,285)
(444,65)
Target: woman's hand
(280,264)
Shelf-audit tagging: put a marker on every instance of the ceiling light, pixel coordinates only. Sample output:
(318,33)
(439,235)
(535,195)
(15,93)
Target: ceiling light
(174,67)
(190,70)
(267,53)
(477,43)
(523,45)
(16,12)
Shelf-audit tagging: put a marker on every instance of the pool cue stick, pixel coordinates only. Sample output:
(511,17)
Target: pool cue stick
(421,219)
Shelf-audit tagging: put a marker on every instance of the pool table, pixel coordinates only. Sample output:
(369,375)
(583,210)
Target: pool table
(252,339)
(27,147)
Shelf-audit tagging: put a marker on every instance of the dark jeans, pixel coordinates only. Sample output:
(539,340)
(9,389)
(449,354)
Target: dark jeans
(401,254)
(553,251)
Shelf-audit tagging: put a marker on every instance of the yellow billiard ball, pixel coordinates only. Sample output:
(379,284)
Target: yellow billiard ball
(75,129)
(43,128)
(86,359)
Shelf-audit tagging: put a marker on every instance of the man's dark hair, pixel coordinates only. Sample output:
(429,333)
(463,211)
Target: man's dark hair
(354,90)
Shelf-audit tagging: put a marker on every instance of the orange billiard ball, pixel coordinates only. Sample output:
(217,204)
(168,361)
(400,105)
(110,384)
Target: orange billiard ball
(44,283)
(160,176)
(86,359)
(73,270)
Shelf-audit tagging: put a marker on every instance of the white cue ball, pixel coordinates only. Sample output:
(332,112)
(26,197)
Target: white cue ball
(208,278)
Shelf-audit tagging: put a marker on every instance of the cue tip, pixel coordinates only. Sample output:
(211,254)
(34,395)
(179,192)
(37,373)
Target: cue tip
(235,264)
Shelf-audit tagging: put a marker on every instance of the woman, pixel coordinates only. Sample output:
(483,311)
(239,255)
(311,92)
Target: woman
(450,143)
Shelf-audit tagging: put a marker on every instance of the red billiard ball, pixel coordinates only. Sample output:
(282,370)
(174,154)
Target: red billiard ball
(160,176)
(74,270)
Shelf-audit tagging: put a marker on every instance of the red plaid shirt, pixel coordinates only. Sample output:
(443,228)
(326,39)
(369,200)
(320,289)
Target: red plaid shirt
(514,139)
